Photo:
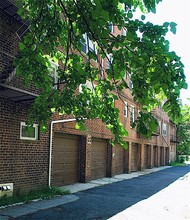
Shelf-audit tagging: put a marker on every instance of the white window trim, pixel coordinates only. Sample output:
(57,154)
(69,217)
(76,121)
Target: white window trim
(125,76)
(132,111)
(130,82)
(109,60)
(124,31)
(111,27)
(29,138)
(164,129)
(125,109)
(53,73)
(88,85)
(90,47)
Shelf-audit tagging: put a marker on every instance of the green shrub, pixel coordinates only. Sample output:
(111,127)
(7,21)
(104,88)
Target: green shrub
(43,193)
(182,159)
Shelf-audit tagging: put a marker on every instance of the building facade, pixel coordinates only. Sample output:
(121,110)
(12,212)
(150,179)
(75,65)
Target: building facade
(64,155)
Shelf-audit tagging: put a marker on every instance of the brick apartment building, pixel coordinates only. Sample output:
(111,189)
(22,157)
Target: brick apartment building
(64,155)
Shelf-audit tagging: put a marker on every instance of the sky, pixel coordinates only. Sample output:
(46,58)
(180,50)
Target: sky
(177,11)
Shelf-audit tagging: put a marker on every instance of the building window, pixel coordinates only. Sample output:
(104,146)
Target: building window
(164,130)
(125,109)
(111,27)
(125,76)
(28,132)
(123,32)
(88,45)
(109,61)
(89,85)
(130,82)
(132,115)
(53,73)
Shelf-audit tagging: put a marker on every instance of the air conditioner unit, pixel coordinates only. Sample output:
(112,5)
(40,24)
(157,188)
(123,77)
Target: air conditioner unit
(6,189)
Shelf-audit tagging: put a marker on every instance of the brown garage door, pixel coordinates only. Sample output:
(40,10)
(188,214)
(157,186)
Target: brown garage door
(119,159)
(135,157)
(99,158)
(65,160)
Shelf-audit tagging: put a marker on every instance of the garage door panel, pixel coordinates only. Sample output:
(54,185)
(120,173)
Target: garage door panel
(98,158)
(65,159)
(134,157)
(119,159)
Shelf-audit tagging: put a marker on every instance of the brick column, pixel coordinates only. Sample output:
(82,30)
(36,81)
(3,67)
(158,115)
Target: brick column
(155,156)
(128,164)
(158,164)
(111,161)
(82,159)
(151,150)
(85,159)
(142,156)
(164,156)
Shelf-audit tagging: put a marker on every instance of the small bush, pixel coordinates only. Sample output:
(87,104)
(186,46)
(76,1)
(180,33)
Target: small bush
(182,159)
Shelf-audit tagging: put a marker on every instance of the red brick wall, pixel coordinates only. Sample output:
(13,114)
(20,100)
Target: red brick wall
(23,163)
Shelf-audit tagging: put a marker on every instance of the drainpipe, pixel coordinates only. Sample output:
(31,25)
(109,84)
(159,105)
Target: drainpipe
(50,146)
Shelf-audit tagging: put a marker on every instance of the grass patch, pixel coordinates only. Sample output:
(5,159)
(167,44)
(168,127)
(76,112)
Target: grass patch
(44,193)
(176,164)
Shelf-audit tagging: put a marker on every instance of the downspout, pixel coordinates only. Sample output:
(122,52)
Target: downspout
(51,142)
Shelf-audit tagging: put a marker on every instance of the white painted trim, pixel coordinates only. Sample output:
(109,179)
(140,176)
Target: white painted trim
(125,109)
(29,138)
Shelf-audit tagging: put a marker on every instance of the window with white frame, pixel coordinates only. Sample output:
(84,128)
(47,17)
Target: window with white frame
(130,82)
(132,114)
(53,73)
(109,60)
(123,32)
(125,109)
(111,27)
(125,76)
(88,45)
(164,129)
(28,132)
(88,85)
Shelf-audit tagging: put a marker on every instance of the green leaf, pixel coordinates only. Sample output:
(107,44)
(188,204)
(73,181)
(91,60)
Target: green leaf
(21,46)
(166,24)
(173,27)
(143,17)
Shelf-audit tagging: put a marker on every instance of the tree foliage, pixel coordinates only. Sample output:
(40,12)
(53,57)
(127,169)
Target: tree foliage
(183,132)
(56,31)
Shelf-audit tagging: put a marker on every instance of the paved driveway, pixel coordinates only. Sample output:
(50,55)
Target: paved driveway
(105,201)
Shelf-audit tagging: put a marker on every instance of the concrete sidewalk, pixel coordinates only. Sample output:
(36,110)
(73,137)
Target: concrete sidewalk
(108,180)
(171,203)
(23,209)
